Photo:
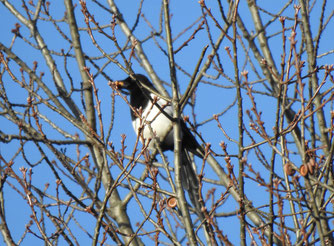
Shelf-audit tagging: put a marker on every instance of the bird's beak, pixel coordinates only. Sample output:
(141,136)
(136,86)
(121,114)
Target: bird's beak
(121,85)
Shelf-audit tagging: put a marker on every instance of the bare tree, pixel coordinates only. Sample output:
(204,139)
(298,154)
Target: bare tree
(251,78)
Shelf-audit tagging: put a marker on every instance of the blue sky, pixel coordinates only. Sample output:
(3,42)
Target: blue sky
(210,100)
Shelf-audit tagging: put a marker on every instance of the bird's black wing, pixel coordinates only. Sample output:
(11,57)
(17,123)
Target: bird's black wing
(189,142)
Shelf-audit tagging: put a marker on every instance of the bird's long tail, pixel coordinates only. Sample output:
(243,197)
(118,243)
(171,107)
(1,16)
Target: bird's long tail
(190,183)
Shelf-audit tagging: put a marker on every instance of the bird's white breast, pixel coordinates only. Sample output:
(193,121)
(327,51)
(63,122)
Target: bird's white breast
(153,121)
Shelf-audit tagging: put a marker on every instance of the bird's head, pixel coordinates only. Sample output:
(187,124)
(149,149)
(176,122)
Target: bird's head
(134,83)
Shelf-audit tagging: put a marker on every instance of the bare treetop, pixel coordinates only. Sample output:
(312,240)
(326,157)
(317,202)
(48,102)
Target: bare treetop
(250,82)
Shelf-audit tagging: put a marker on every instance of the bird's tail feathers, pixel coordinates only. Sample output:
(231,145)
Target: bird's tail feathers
(190,183)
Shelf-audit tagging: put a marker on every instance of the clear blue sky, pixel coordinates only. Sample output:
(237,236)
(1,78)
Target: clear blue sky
(210,100)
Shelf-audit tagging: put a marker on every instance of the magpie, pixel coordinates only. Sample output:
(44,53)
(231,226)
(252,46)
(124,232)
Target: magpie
(152,120)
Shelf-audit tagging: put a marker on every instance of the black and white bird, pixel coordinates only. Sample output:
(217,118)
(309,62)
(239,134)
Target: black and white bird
(152,119)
